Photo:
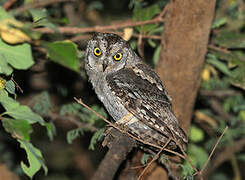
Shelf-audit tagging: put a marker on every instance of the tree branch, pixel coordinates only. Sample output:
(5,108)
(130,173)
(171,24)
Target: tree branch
(76,30)
(119,145)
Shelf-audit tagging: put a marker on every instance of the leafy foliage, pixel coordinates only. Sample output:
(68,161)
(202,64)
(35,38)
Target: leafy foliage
(95,138)
(196,134)
(19,126)
(84,114)
(42,103)
(24,50)
(64,53)
(73,134)
(34,157)
(10,87)
(142,14)
(10,56)
(145,158)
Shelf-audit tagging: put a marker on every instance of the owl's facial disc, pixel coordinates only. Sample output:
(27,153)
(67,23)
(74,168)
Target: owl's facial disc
(107,53)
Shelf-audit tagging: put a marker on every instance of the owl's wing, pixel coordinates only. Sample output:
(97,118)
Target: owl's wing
(141,91)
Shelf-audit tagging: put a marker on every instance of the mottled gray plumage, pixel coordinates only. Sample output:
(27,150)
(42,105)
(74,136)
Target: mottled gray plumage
(131,91)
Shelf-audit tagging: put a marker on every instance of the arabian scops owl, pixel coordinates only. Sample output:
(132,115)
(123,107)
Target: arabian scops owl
(131,91)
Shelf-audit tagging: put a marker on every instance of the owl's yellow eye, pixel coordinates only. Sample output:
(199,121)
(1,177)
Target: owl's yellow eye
(118,56)
(97,52)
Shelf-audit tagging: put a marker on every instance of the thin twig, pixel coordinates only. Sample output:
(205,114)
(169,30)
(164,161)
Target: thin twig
(199,173)
(86,36)
(83,125)
(97,114)
(8,4)
(154,158)
(218,108)
(224,50)
(76,30)
(74,120)
(219,93)
(79,101)
(185,155)
(210,155)
(17,85)
(225,155)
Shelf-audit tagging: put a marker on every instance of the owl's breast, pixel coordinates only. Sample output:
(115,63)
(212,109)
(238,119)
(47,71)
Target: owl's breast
(110,100)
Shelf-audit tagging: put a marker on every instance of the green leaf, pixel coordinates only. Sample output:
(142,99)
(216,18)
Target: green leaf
(233,103)
(84,114)
(163,158)
(10,87)
(4,14)
(230,39)
(51,130)
(95,5)
(40,18)
(219,22)
(96,137)
(63,53)
(220,176)
(197,154)
(38,14)
(143,14)
(241,115)
(156,55)
(92,117)
(4,67)
(241,157)
(216,84)
(18,56)
(23,112)
(151,43)
(145,158)
(234,57)
(35,159)
(73,134)
(196,134)
(17,111)
(218,64)
(18,128)
(187,171)
(238,77)
(70,109)
(42,104)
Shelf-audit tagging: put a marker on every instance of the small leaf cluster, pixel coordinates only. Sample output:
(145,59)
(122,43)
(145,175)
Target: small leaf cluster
(88,119)
(17,120)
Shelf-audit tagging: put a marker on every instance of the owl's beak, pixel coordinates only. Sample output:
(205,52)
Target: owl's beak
(105,64)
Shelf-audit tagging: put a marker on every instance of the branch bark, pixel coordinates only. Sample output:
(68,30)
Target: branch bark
(119,145)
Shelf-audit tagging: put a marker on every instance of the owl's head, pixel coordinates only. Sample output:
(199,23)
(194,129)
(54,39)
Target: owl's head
(107,53)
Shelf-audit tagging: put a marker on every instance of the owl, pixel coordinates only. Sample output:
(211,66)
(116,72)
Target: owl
(131,91)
